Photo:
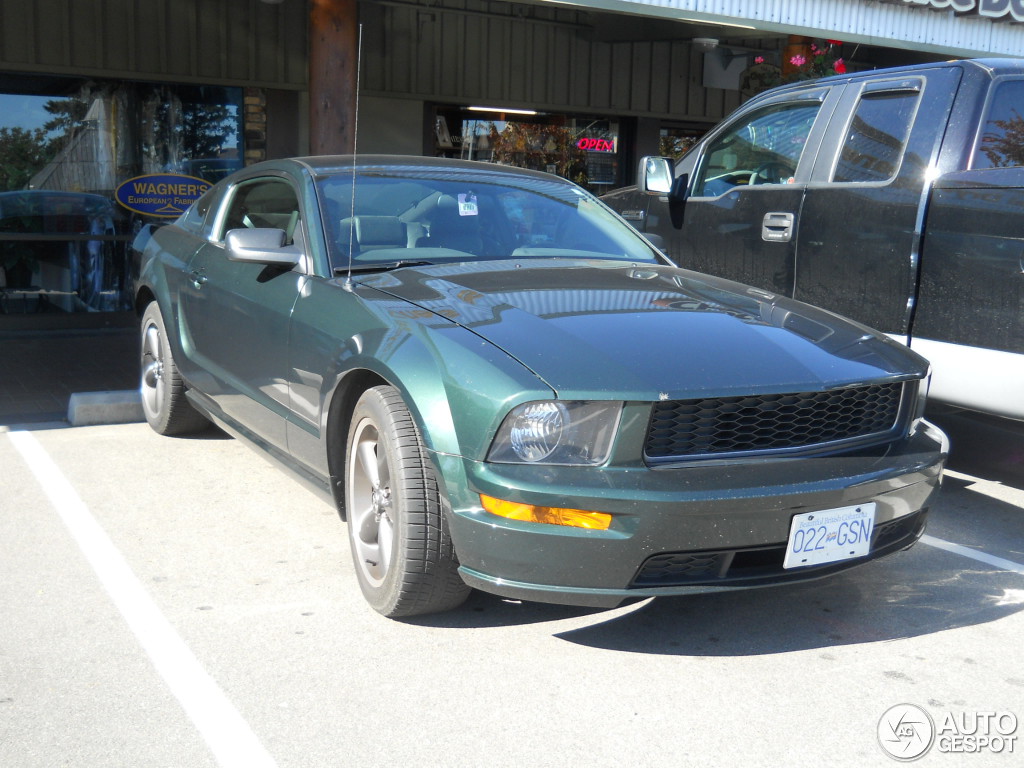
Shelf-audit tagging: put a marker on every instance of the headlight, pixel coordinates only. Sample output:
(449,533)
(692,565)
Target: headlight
(556,432)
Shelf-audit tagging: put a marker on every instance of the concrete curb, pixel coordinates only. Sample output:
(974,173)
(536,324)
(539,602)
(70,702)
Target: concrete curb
(87,409)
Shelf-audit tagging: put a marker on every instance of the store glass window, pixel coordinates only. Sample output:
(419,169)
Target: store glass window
(675,141)
(1002,137)
(874,143)
(585,150)
(69,148)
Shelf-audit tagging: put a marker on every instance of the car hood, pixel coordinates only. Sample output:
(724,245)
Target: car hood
(591,328)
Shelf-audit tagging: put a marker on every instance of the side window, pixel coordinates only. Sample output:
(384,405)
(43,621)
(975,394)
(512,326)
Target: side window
(198,219)
(192,219)
(762,149)
(874,144)
(1002,134)
(263,203)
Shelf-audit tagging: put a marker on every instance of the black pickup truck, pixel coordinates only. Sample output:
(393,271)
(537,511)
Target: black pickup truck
(894,197)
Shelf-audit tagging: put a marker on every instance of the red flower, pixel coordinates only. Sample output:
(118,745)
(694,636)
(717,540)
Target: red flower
(839,66)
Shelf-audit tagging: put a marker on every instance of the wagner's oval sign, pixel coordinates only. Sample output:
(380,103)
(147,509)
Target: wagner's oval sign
(160,194)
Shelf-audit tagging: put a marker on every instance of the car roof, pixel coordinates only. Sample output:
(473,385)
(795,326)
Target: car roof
(992,66)
(986,68)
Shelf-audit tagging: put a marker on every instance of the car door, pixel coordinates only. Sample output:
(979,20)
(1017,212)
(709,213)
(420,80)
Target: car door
(860,229)
(235,316)
(745,190)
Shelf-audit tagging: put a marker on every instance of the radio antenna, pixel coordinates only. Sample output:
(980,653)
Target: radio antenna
(355,148)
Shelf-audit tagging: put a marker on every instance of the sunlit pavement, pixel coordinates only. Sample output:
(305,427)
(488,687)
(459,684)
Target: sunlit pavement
(181,602)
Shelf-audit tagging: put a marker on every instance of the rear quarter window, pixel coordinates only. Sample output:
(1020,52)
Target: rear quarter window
(1001,144)
(198,219)
(874,142)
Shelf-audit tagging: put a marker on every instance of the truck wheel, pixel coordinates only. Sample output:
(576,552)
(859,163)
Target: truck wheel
(163,392)
(403,553)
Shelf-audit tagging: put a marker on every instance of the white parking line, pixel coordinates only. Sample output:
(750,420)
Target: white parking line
(229,737)
(981,557)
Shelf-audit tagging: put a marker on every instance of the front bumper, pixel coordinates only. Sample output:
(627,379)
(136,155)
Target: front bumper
(696,528)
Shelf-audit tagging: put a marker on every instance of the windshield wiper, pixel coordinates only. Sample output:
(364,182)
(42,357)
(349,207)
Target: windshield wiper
(383,266)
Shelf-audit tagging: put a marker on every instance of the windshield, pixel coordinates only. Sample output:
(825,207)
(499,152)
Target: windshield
(434,216)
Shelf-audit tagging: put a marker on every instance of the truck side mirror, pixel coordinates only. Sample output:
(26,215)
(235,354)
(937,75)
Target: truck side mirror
(655,175)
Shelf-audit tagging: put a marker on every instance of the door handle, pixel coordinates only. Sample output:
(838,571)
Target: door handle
(777,227)
(198,278)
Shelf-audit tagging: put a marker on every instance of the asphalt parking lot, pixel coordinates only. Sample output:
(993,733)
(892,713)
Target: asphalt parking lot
(181,602)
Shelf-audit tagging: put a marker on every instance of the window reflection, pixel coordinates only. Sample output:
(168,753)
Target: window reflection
(874,145)
(1002,141)
(764,149)
(65,146)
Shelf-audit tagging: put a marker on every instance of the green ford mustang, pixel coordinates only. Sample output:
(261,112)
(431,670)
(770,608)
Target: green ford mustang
(501,385)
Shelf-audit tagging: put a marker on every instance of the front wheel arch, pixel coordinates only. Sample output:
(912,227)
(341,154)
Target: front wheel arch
(339,418)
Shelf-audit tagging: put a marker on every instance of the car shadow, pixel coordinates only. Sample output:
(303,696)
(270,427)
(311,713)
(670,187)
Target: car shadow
(919,592)
(987,447)
(980,514)
(211,432)
(483,610)
(922,592)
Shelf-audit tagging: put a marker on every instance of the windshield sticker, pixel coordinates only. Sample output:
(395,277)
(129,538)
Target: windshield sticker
(467,205)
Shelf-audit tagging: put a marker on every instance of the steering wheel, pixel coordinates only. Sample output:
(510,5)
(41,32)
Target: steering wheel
(772,172)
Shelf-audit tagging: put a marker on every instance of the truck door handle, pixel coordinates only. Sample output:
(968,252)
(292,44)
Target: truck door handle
(198,278)
(777,227)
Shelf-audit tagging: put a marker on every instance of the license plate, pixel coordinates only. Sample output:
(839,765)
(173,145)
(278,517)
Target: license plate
(830,535)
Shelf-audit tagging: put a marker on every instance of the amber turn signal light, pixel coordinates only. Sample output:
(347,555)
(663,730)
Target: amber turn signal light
(574,518)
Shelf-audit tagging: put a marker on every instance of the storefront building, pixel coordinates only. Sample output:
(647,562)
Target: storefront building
(117,113)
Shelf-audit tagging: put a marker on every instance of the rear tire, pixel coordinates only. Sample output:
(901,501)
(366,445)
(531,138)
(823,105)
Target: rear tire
(403,554)
(164,404)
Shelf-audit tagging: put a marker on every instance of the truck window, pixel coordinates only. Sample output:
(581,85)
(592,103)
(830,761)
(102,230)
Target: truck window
(763,148)
(874,143)
(1002,134)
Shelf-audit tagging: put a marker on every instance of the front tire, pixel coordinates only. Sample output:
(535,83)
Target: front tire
(163,393)
(404,558)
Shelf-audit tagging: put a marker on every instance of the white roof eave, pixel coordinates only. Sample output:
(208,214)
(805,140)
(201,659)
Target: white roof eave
(869,22)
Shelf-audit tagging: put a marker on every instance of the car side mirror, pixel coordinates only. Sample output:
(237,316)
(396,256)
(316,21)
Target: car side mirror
(261,246)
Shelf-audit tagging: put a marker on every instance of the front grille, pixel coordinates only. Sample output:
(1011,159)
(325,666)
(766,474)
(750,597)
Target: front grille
(762,564)
(726,426)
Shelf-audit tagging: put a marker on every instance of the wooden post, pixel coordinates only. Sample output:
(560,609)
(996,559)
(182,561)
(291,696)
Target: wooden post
(333,42)
(797,45)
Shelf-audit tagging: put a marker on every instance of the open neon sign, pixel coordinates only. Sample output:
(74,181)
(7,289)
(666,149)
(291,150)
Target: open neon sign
(596,145)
